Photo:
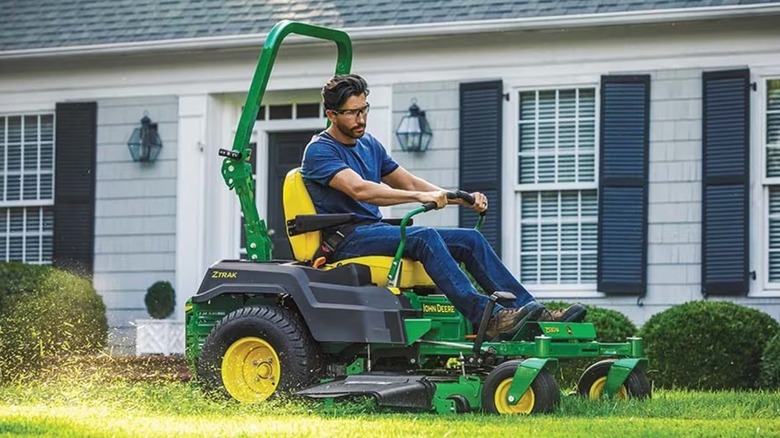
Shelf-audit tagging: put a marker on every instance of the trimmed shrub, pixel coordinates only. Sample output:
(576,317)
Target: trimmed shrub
(707,345)
(611,326)
(769,376)
(46,312)
(160,300)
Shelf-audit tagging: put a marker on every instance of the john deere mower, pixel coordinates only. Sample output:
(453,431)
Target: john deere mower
(369,326)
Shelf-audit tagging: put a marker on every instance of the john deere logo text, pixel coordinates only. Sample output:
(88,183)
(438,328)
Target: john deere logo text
(438,308)
(223,274)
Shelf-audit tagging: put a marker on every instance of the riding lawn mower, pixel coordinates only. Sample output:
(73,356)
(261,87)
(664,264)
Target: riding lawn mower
(373,326)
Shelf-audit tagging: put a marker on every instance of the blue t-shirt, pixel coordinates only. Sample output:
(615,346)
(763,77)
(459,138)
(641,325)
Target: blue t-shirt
(324,157)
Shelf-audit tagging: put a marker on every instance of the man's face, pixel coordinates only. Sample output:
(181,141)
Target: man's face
(350,119)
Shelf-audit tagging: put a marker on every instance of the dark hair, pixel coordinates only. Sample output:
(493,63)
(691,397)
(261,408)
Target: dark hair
(340,88)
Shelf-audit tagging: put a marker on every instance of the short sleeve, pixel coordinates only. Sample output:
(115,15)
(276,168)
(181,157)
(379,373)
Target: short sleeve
(388,163)
(321,163)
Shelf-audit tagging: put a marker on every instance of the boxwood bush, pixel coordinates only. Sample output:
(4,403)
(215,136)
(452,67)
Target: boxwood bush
(160,300)
(46,312)
(707,345)
(611,326)
(770,365)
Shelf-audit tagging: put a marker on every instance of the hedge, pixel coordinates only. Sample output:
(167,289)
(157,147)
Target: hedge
(46,312)
(707,345)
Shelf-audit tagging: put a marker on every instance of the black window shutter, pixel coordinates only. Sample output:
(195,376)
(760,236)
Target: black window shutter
(74,197)
(725,182)
(623,169)
(481,105)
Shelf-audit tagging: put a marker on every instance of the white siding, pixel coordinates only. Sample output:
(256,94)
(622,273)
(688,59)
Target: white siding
(439,164)
(135,211)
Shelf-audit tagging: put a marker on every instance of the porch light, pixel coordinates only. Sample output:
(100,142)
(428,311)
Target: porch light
(145,143)
(414,133)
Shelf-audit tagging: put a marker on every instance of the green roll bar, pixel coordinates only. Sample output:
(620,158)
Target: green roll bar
(236,167)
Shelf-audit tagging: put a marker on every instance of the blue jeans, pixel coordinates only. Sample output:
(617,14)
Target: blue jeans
(440,251)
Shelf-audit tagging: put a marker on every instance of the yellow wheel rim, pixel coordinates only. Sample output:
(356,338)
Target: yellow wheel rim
(524,406)
(250,370)
(597,389)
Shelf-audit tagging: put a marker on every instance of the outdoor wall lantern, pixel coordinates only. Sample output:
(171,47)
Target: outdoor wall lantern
(145,143)
(414,133)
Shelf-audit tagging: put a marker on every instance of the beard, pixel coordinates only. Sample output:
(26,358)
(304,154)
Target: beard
(357,131)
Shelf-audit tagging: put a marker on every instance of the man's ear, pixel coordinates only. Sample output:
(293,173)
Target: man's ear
(330,115)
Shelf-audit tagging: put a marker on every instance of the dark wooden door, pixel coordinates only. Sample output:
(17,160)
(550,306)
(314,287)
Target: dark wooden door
(285,151)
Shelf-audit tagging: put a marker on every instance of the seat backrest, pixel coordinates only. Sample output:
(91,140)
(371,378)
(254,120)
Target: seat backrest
(296,200)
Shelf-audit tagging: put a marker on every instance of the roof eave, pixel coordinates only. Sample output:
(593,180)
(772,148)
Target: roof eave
(411,31)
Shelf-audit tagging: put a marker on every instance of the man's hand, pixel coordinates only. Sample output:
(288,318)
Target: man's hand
(480,202)
(437,196)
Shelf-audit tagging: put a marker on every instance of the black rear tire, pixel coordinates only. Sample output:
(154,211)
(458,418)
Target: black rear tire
(259,337)
(593,381)
(544,394)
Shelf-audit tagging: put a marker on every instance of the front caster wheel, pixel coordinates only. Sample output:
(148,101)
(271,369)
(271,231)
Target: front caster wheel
(542,396)
(594,381)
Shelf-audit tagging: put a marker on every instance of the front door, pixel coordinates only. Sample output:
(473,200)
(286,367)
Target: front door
(285,150)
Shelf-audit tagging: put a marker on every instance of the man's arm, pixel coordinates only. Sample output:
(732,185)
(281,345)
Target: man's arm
(350,183)
(402,179)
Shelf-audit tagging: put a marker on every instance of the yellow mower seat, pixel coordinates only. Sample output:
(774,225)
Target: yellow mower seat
(296,201)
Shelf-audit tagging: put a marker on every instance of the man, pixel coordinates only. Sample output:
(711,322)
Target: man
(343,169)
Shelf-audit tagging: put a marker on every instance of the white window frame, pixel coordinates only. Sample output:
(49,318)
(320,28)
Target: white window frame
(759,193)
(513,198)
(25,204)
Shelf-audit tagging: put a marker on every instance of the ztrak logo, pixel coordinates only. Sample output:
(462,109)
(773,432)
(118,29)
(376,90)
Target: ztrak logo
(551,330)
(438,308)
(224,274)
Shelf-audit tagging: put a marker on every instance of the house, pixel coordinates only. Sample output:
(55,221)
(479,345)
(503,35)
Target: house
(631,149)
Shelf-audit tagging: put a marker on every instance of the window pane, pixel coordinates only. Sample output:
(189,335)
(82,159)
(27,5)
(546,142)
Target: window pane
(529,239)
(16,220)
(567,104)
(528,269)
(15,249)
(308,110)
(566,168)
(527,137)
(14,130)
(547,104)
(587,166)
(278,112)
(30,186)
(587,104)
(529,205)
(47,128)
(566,135)
(528,105)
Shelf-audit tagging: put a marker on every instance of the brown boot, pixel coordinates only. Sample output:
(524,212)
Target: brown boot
(506,322)
(575,313)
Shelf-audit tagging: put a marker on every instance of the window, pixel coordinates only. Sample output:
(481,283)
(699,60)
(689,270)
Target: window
(772,176)
(557,186)
(26,187)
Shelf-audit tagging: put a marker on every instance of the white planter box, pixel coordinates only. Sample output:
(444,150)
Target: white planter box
(159,336)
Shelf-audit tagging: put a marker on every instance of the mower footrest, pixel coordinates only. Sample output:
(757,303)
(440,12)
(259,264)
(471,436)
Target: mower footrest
(413,392)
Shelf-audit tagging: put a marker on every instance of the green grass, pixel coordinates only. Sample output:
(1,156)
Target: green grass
(100,404)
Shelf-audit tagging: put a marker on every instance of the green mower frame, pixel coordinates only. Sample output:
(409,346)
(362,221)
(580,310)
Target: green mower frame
(263,327)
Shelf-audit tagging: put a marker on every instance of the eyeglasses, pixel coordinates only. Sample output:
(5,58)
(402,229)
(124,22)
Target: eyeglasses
(357,112)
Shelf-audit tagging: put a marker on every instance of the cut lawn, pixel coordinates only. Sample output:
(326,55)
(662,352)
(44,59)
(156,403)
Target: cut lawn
(154,404)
